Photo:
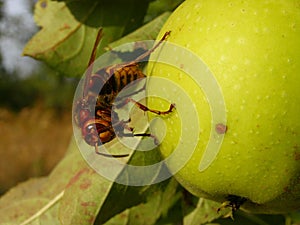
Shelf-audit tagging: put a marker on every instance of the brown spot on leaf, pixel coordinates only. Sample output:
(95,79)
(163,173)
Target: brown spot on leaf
(75,178)
(85,184)
(86,204)
(65,26)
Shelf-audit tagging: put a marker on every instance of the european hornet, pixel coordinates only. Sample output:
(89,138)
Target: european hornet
(100,127)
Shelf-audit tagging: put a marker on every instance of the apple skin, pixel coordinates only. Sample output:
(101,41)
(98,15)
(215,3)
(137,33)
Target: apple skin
(253,50)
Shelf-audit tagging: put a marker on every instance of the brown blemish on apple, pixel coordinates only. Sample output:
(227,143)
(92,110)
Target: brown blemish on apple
(286,189)
(43,4)
(296,154)
(221,128)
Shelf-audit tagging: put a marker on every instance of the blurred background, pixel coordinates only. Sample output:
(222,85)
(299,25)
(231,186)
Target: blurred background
(35,102)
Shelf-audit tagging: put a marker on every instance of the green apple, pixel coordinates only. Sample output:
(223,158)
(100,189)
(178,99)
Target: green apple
(252,49)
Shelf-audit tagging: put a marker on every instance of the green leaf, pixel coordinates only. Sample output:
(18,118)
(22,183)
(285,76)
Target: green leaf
(63,43)
(293,218)
(120,219)
(158,7)
(129,15)
(252,219)
(129,196)
(83,197)
(86,191)
(204,212)
(147,32)
(159,198)
(69,30)
(21,202)
(38,199)
(157,204)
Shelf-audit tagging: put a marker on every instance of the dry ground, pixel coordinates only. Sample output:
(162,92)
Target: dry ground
(32,142)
